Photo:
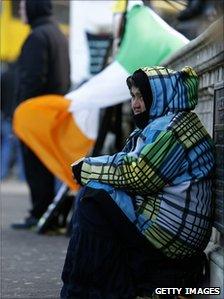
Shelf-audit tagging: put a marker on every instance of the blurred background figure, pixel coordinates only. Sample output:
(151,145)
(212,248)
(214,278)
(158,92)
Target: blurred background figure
(193,8)
(197,15)
(189,17)
(11,158)
(43,68)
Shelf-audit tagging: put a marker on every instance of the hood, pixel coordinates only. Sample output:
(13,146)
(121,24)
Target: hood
(36,9)
(172,91)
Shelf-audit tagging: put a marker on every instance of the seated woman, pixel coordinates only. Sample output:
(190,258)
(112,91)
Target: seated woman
(148,207)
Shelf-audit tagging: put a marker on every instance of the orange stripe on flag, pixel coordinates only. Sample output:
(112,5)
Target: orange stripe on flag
(45,125)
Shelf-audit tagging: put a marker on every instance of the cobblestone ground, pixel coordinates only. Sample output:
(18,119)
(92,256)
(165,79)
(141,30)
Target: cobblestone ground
(31,264)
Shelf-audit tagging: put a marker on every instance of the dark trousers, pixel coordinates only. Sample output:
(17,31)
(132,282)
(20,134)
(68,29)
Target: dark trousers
(40,181)
(107,257)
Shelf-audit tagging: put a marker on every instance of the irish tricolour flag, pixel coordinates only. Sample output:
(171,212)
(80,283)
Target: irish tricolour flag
(60,129)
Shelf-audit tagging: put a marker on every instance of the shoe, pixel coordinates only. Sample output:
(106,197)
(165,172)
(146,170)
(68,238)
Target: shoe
(30,222)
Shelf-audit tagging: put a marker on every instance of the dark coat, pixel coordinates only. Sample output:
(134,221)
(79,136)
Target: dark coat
(8,86)
(43,66)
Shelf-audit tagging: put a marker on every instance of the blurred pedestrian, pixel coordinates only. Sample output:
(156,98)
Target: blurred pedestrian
(43,68)
(149,207)
(10,149)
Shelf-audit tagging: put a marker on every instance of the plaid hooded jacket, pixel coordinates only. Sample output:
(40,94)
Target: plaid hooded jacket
(162,179)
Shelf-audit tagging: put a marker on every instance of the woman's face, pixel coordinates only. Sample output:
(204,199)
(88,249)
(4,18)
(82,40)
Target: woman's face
(137,102)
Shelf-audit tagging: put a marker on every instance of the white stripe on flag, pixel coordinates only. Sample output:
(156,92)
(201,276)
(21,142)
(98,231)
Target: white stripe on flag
(108,88)
(88,121)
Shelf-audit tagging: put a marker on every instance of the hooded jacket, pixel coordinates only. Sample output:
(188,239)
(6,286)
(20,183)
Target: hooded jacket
(43,65)
(162,179)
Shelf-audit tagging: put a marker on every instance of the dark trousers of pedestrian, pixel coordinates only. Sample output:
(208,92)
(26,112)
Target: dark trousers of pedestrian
(40,181)
(107,257)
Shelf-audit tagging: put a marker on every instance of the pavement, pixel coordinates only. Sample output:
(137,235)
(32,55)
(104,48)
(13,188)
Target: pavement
(31,264)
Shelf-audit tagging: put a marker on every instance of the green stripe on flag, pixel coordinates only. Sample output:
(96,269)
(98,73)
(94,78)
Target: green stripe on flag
(147,40)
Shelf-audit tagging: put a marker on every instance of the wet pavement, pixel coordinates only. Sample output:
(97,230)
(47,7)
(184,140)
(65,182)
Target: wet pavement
(31,264)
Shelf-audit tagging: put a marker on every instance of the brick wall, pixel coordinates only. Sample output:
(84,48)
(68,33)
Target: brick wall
(206,55)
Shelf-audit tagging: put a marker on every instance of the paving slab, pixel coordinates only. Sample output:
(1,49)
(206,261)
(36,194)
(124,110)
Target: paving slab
(31,264)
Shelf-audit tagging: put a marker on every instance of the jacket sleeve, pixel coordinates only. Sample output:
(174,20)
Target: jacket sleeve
(33,68)
(149,170)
